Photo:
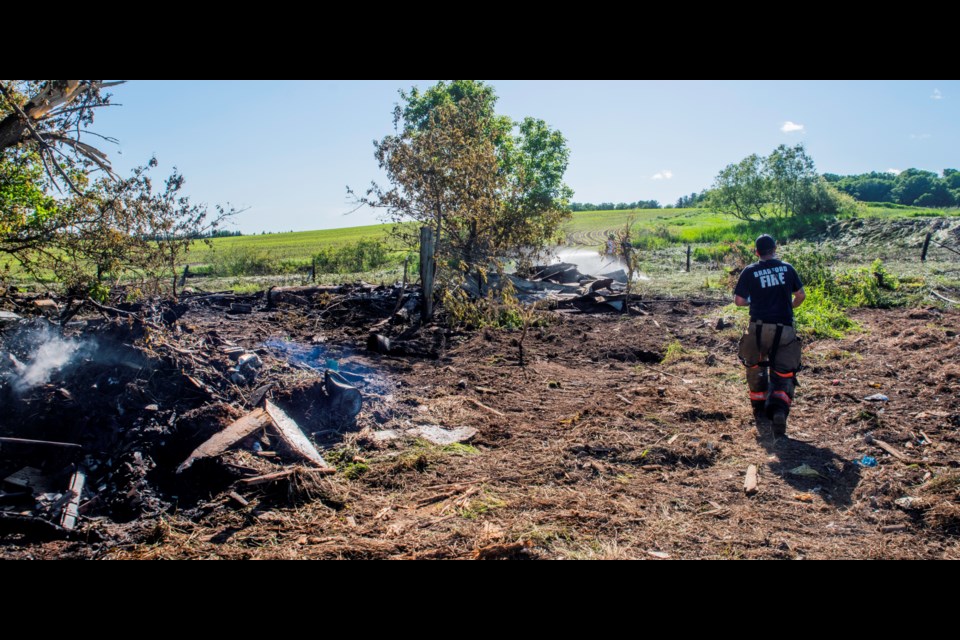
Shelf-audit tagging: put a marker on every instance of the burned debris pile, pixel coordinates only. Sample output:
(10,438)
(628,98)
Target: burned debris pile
(114,412)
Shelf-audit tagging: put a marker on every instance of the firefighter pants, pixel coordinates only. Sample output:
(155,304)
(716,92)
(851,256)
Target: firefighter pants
(771,387)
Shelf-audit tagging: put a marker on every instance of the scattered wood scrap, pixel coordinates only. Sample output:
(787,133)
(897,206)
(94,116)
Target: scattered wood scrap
(256,419)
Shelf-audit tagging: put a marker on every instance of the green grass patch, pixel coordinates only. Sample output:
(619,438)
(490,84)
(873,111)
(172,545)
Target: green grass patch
(676,351)
(460,449)
(480,506)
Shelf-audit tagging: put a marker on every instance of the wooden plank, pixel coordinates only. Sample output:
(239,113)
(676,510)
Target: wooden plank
(751,481)
(256,419)
(72,509)
(291,433)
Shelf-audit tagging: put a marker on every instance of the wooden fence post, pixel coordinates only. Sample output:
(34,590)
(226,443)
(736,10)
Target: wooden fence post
(427,270)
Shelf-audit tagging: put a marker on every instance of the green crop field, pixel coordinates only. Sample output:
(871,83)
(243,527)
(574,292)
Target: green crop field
(587,228)
(297,246)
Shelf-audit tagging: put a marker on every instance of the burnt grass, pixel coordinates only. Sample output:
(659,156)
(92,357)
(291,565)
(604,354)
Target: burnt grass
(595,449)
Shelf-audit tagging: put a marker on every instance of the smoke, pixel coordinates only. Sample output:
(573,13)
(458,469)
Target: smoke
(592,262)
(35,353)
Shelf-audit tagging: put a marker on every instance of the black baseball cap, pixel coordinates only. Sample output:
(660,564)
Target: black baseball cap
(765,244)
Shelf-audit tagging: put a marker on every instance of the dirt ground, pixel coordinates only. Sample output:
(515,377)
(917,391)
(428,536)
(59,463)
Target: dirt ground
(619,438)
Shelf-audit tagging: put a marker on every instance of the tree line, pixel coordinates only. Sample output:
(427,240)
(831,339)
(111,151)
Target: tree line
(912,187)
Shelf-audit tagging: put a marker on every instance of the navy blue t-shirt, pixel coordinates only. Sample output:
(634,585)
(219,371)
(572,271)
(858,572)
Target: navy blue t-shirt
(768,285)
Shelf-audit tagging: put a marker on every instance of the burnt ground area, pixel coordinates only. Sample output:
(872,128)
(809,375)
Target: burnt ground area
(619,438)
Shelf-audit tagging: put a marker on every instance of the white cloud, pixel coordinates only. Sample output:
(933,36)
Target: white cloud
(790,127)
(920,136)
(666,174)
(894,171)
(936,95)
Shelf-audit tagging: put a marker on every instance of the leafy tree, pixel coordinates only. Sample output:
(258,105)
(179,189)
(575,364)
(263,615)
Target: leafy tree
(741,189)
(952,178)
(912,184)
(489,188)
(783,184)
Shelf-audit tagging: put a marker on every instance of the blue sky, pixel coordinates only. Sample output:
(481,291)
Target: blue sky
(287,150)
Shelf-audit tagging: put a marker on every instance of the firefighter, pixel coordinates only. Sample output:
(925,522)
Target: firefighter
(770,348)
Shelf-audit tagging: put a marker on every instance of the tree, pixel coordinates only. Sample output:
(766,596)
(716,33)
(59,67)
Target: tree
(952,178)
(124,228)
(740,189)
(42,151)
(49,118)
(783,184)
(791,177)
(923,189)
(490,188)
(92,229)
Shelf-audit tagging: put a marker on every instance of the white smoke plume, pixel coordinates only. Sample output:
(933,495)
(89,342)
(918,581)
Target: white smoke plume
(36,354)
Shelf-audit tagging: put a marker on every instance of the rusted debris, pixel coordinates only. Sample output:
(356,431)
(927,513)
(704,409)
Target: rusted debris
(292,435)
(256,419)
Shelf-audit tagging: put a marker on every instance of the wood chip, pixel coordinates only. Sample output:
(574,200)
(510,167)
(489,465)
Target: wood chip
(660,555)
(236,497)
(751,481)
